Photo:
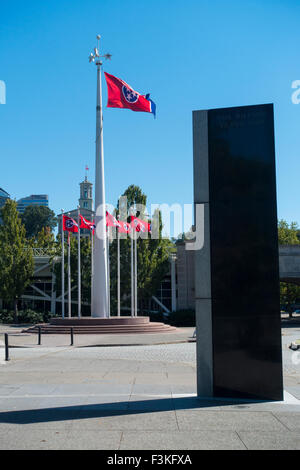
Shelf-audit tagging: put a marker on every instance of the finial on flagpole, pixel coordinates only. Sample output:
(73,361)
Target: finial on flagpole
(96,54)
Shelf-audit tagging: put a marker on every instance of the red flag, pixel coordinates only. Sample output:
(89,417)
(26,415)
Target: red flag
(111,221)
(140,225)
(121,95)
(69,224)
(86,223)
(124,227)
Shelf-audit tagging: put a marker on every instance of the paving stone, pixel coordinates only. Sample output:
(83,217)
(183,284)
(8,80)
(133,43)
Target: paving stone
(89,440)
(270,440)
(228,420)
(89,397)
(126,420)
(210,440)
(150,403)
(33,439)
(290,420)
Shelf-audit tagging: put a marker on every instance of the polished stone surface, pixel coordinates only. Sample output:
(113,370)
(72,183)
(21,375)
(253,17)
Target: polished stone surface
(244,253)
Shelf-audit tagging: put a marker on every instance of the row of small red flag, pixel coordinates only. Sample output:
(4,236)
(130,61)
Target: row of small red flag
(70,225)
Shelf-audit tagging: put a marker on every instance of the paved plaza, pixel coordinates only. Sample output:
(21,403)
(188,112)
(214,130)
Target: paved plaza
(132,397)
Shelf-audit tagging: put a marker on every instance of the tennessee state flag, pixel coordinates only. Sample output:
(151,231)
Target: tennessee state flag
(69,224)
(86,223)
(111,221)
(140,225)
(124,227)
(121,95)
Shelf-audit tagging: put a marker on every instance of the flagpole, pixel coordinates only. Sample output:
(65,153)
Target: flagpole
(108,274)
(135,273)
(62,266)
(92,265)
(100,284)
(118,256)
(132,286)
(79,267)
(69,278)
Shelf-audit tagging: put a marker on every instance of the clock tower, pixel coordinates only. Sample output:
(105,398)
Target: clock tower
(86,195)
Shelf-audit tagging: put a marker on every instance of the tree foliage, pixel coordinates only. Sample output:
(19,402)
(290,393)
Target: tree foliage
(288,234)
(45,240)
(289,295)
(152,255)
(16,258)
(37,218)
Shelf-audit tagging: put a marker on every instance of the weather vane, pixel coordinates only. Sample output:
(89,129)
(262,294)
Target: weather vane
(96,53)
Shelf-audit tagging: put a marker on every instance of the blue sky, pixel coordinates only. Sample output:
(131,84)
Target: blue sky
(192,54)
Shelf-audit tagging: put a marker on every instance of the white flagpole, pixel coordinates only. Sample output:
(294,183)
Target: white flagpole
(79,267)
(132,275)
(92,265)
(119,287)
(62,267)
(100,284)
(69,278)
(108,274)
(135,274)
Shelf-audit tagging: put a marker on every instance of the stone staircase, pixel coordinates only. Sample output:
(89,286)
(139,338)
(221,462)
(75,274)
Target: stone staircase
(112,325)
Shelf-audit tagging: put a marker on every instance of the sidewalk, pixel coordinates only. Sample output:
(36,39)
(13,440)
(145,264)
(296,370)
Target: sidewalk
(134,397)
(17,338)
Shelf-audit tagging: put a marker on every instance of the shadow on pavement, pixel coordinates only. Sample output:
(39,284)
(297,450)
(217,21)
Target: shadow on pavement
(88,411)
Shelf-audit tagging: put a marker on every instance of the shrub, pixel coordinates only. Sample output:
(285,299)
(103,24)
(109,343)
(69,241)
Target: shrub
(24,316)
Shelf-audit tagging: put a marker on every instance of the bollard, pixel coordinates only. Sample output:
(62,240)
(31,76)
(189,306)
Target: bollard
(6,346)
(72,337)
(39,335)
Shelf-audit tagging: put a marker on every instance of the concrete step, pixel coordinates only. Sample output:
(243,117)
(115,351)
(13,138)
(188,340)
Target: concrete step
(103,329)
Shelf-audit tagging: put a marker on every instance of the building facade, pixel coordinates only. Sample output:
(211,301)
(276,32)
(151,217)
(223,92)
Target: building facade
(33,200)
(3,197)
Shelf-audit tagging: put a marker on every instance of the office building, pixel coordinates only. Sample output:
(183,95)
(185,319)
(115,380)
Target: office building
(33,200)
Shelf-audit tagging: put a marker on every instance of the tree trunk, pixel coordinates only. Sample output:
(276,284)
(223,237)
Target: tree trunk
(16,311)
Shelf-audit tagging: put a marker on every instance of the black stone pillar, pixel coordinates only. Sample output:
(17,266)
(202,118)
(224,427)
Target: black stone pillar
(237,166)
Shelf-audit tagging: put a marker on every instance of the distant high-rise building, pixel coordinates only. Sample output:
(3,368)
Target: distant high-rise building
(3,197)
(33,200)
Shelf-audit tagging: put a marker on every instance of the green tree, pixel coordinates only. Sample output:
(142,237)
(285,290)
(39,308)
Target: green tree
(35,218)
(134,196)
(45,240)
(289,295)
(288,234)
(152,255)
(16,258)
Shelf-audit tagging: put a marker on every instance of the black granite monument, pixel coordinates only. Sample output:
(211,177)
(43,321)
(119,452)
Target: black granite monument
(234,177)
